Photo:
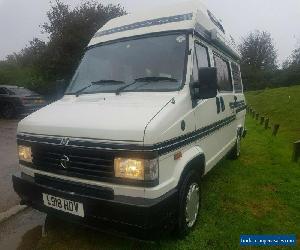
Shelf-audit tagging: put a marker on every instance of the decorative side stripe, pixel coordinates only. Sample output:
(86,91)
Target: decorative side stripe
(241,108)
(173,144)
(148,23)
(159,148)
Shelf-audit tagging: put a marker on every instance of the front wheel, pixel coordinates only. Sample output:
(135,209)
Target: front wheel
(189,203)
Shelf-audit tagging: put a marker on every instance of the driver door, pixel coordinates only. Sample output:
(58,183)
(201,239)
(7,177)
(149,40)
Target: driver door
(211,115)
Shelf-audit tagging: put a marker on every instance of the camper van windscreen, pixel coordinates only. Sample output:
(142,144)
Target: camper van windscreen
(160,60)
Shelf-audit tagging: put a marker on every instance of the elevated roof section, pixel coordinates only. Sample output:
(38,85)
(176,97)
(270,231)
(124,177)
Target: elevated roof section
(191,15)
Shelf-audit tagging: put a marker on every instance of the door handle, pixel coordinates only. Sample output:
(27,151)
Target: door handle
(218,105)
(222,104)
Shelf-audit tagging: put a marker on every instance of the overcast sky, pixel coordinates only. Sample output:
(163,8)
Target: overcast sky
(20,19)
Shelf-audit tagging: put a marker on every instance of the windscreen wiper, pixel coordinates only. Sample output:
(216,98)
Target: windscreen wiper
(100,82)
(146,79)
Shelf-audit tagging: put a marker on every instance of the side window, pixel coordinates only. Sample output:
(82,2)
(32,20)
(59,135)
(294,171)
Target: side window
(3,91)
(237,80)
(224,78)
(200,60)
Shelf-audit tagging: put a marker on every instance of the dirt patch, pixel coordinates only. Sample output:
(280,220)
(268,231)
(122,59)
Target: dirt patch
(269,188)
(260,208)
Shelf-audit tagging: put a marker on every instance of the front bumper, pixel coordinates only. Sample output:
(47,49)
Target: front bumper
(102,208)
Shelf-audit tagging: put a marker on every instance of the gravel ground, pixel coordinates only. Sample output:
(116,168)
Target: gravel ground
(8,163)
(22,231)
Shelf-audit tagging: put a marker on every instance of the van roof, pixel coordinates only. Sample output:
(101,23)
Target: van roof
(191,15)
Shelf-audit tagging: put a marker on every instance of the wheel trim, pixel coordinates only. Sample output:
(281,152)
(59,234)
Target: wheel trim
(192,205)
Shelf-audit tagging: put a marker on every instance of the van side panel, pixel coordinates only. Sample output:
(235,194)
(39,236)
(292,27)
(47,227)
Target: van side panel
(171,171)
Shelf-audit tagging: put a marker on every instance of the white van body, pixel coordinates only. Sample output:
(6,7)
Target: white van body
(174,130)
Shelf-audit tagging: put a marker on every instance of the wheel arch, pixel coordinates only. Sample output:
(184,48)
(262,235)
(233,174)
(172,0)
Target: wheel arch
(197,163)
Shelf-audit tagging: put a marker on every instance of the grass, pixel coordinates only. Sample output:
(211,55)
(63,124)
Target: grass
(282,106)
(257,194)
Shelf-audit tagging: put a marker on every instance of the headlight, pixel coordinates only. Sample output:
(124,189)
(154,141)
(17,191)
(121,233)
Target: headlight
(137,169)
(25,153)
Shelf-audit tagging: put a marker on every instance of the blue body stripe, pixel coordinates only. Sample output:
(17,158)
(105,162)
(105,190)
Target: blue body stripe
(148,23)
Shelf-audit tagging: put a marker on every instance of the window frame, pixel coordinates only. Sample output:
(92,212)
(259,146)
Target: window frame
(207,52)
(195,55)
(137,37)
(240,76)
(216,54)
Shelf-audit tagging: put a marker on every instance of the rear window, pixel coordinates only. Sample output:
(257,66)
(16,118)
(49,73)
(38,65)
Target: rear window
(237,80)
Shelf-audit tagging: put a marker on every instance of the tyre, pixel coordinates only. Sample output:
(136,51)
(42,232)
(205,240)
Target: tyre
(236,150)
(8,111)
(188,203)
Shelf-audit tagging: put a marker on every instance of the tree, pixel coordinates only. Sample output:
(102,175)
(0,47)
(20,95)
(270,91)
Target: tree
(258,59)
(69,33)
(291,69)
(296,56)
(69,30)
(258,51)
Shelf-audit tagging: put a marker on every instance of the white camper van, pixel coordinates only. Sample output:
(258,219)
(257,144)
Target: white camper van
(155,103)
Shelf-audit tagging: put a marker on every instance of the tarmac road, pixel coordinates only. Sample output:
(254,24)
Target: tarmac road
(8,163)
(22,231)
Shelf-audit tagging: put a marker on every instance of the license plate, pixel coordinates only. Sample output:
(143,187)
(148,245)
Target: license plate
(68,206)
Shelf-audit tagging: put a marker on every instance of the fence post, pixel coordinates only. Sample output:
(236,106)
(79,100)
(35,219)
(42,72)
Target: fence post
(296,151)
(257,116)
(267,123)
(262,119)
(275,129)
(253,114)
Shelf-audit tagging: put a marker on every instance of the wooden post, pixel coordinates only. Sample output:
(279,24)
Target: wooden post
(262,120)
(275,129)
(257,116)
(267,123)
(253,114)
(296,151)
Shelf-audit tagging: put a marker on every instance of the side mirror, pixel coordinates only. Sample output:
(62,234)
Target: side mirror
(207,86)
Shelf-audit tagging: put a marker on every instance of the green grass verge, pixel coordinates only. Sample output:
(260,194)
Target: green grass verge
(257,194)
(282,106)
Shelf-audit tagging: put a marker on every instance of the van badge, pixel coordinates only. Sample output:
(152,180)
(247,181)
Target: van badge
(65,141)
(64,161)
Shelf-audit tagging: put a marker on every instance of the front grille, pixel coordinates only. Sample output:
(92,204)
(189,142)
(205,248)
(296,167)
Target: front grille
(80,189)
(83,163)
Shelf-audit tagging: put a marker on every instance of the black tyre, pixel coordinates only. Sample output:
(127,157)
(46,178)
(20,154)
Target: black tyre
(236,150)
(188,203)
(8,111)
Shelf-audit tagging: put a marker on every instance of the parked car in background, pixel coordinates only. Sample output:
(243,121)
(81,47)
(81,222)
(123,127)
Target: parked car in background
(16,101)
